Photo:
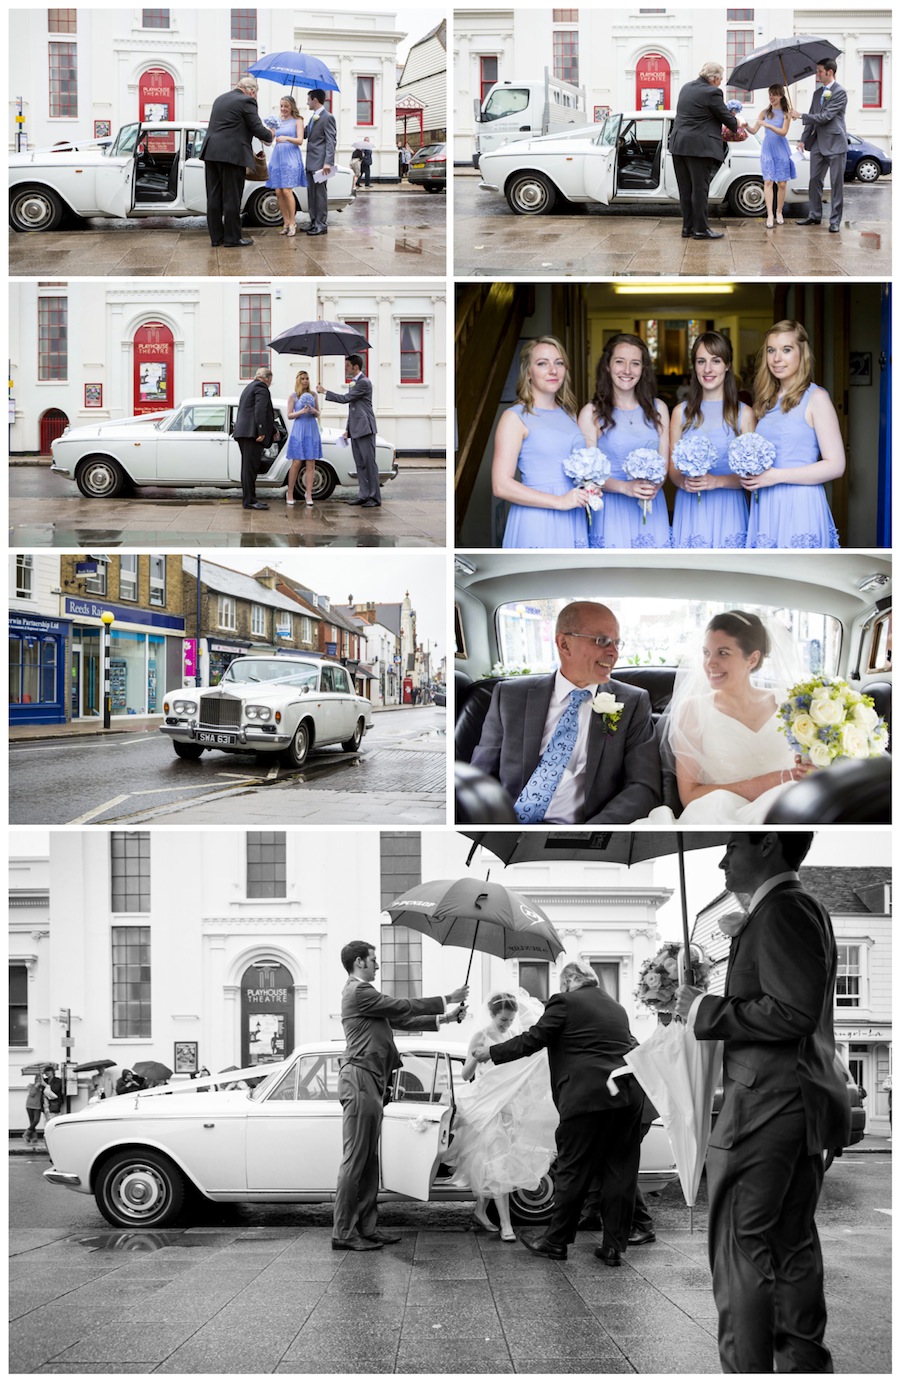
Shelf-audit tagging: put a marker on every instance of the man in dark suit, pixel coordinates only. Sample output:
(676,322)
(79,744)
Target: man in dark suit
(785,1103)
(361,431)
(321,138)
(368,1064)
(612,775)
(586,1034)
(825,138)
(254,429)
(698,149)
(228,153)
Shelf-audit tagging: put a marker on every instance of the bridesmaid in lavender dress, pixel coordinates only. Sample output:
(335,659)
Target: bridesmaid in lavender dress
(625,415)
(799,419)
(775,161)
(534,437)
(710,510)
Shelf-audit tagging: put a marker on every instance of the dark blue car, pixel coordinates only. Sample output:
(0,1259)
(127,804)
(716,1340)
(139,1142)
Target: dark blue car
(865,161)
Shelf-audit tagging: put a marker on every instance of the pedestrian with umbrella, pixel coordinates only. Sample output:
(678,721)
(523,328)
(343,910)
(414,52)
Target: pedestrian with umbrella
(152,1072)
(361,431)
(44,1096)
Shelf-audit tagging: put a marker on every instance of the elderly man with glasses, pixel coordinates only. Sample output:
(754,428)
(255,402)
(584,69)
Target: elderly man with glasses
(574,747)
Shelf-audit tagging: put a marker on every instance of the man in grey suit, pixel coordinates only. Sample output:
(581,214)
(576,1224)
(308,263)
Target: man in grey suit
(227,154)
(361,431)
(612,775)
(825,139)
(698,149)
(367,1068)
(321,137)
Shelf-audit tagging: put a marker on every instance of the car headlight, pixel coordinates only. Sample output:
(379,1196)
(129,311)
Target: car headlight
(258,712)
(184,707)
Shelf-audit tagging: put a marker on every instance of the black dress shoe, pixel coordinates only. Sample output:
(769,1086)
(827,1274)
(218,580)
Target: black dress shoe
(834,230)
(317,230)
(356,1244)
(216,244)
(611,1256)
(237,244)
(382,1238)
(355,501)
(685,233)
(808,221)
(371,504)
(257,505)
(638,1236)
(709,235)
(536,1244)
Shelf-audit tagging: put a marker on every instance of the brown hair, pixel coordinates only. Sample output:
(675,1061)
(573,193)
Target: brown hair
(720,346)
(778,90)
(603,401)
(766,386)
(524,393)
(747,630)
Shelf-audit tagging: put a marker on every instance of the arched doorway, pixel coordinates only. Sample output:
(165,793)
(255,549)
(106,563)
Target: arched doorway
(156,101)
(52,425)
(267,1013)
(653,82)
(154,365)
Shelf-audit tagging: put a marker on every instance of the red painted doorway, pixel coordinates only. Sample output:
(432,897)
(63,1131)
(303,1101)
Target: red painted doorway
(653,83)
(53,423)
(154,365)
(156,101)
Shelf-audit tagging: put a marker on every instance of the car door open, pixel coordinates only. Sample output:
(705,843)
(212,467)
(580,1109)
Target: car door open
(415,1134)
(600,161)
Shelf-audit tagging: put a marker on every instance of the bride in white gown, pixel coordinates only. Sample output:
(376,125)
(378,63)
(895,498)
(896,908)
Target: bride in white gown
(731,761)
(504,1133)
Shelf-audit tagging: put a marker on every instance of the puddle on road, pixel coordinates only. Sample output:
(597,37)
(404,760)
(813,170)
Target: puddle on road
(143,1240)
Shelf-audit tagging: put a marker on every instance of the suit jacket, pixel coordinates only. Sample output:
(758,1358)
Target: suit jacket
(622,781)
(777,1022)
(321,138)
(586,1034)
(233,122)
(699,117)
(255,414)
(368,1017)
(824,128)
(360,415)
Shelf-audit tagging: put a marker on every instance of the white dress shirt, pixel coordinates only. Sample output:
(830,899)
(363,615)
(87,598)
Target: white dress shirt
(567,803)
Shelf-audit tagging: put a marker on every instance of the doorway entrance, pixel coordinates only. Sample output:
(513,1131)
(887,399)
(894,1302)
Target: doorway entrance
(53,424)
(267,1013)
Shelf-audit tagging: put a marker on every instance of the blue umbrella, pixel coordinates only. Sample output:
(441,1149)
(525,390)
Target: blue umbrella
(294,69)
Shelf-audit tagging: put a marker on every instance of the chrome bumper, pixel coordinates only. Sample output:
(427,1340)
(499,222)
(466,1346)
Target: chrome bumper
(67,1178)
(247,737)
(484,186)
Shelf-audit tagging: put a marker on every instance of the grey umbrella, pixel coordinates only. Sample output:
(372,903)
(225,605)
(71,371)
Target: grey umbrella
(783,60)
(319,338)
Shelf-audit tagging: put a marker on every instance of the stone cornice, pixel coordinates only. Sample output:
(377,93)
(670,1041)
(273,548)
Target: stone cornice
(307,925)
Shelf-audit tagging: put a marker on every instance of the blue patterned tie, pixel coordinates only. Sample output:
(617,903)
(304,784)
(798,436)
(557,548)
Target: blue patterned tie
(534,798)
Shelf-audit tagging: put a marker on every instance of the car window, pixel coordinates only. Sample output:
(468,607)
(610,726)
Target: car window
(208,417)
(327,682)
(341,680)
(879,657)
(506,101)
(193,142)
(610,132)
(311,1077)
(424,1077)
(254,669)
(124,141)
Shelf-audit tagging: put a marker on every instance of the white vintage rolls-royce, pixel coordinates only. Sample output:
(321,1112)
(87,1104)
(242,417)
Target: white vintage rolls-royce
(148,169)
(192,445)
(142,1155)
(623,160)
(287,705)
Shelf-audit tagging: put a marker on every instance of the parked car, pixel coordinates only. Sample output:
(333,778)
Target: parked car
(439,694)
(277,704)
(192,445)
(141,1156)
(837,604)
(866,162)
(429,168)
(150,168)
(624,160)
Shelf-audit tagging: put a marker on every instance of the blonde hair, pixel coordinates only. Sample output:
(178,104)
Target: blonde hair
(301,374)
(766,386)
(295,109)
(524,392)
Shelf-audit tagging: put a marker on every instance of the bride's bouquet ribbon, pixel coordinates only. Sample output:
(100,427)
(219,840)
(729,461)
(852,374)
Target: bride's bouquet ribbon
(694,456)
(750,455)
(589,467)
(643,463)
(825,719)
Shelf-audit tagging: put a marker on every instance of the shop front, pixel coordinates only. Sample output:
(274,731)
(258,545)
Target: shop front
(222,652)
(145,659)
(37,669)
(865,1048)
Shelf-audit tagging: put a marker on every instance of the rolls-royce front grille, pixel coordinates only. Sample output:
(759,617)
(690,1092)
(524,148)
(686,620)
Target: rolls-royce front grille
(216,713)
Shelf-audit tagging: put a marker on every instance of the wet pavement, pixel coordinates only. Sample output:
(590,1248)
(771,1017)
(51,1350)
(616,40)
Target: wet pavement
(491,241)
(258,1289)
(413,514)
(385,232)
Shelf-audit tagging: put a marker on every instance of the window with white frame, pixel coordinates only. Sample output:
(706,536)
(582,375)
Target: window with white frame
(53,338)
(157,580)
(365,100)
(285,625)
(24,576)
(873,65)
(63,63)
(130,870)
(848,989)
(258,620)
(266,863)
(534,978)
(412,362)
(128,577)
(305,629)
(607,971)
(18,1005)
(488,67)
(227,613)
(131,981)
(95,584)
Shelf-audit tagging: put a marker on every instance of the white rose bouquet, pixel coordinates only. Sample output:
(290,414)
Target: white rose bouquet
(825,719)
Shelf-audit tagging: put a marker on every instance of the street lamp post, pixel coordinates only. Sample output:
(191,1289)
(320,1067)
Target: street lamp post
(107,619)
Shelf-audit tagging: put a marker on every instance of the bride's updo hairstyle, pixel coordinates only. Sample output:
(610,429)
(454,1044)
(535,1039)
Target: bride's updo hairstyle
(502,1002)
(747,630)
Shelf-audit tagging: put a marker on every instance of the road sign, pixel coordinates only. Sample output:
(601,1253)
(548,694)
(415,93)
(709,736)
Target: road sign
(67,1042)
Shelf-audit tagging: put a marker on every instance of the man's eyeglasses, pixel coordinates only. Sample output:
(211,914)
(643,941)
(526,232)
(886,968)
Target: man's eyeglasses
(601,640)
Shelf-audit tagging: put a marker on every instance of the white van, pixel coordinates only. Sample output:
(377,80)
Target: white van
(524,109)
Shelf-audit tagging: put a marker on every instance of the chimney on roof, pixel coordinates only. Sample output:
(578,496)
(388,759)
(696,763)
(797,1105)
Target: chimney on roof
(350,601)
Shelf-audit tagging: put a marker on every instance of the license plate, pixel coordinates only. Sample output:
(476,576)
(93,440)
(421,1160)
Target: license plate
(418,165)
(205,736)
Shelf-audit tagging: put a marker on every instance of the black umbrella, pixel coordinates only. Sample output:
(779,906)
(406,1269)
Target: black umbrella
(783,60)
(94,1065)
(319,338)
(38,1066)
(152,1070)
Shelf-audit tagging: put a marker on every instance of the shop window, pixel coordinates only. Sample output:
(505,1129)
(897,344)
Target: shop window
(158,581)
(363,328)
(155,19)
(258,621)
(266,863)
(242,59)
(256,332)
(848,989)
(365,100)
(565,55)
(131,981)
(24,576)
(488,69)
(53,338)
(62,21)
(284,625)
(130,870)
(872,85)
(128,577)
(243,25)
(18,1005)
(227,613)
(534,978)
(411,355)
(95,583)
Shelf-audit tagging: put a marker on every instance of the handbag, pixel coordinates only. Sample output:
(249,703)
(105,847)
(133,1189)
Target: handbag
(734,137)
(258,170)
